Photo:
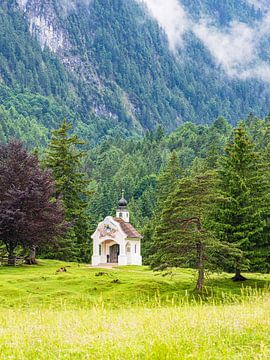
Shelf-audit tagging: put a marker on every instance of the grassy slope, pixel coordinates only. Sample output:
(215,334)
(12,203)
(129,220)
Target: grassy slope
(78,315)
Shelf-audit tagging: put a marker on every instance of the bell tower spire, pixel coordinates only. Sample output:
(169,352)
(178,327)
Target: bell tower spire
(122,211)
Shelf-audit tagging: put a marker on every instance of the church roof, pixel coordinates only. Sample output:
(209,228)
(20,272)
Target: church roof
(128,229)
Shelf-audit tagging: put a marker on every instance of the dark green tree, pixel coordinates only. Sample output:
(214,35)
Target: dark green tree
(168,178)
(239,217)
(64,158)
(166,183)
(183,236)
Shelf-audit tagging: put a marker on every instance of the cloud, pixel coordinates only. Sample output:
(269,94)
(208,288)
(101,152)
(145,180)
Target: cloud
(235,48)
(172,18)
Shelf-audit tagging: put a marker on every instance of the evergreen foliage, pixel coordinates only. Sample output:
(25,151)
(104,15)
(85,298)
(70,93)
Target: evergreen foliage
(182,235)
(109,84)
(64,158)
(239,217)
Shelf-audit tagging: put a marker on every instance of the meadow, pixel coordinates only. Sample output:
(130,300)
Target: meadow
(130,313)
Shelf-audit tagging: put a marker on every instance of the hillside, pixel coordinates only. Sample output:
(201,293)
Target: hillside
(115,67)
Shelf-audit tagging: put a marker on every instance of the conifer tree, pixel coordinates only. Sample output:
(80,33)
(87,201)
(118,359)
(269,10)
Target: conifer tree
(261,255)
(64,158)
(168,179)
(166,184)
(182,236)
(239,219)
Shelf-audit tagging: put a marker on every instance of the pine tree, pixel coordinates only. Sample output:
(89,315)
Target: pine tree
(64,158)
(182,236)
(168,179)
(166,184)
(261,254)
(239,218)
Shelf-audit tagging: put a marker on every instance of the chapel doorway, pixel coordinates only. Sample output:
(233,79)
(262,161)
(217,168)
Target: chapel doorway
(114,252)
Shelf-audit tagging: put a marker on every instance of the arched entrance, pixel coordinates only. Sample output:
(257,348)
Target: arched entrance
(114,251)
(109,251)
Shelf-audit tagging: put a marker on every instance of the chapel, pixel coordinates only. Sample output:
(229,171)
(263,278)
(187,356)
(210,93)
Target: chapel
(116,241)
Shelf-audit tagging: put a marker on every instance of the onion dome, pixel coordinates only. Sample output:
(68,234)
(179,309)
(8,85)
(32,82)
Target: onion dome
(122,202)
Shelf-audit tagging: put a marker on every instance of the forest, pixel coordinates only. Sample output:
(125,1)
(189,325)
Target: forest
(109,84)
(199,195)
(164,104)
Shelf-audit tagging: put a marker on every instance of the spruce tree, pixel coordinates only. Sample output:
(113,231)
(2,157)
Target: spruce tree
(261,254)
(239,217)
(168,179)
(183,236)
(166,183)
(64,158)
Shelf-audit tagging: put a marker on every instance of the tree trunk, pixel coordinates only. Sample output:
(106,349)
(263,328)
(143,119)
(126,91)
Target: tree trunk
(31,260)
(200,267)
(11,258)
(238,276)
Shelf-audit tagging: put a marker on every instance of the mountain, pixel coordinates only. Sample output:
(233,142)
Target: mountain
(125,66)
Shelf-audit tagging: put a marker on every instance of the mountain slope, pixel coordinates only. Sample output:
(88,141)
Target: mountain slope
(109,67)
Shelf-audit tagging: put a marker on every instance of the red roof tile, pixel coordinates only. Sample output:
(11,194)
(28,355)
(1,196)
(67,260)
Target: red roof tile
(128,229)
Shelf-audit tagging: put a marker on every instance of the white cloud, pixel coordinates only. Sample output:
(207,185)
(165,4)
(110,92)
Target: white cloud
(172,18)
(234,48)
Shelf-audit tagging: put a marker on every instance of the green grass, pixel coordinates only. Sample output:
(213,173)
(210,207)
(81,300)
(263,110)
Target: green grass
(130,313)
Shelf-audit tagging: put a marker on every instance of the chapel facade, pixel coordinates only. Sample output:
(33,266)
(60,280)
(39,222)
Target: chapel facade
(116,241)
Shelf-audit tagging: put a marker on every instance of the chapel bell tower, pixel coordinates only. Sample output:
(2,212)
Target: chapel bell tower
(122,211)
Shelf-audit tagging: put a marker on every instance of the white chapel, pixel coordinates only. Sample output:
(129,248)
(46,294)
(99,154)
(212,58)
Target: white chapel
(116,241)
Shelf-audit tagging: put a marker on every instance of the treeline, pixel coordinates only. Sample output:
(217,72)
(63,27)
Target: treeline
(157,173)
(200,195)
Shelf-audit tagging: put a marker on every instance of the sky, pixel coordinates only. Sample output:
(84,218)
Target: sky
(235,48)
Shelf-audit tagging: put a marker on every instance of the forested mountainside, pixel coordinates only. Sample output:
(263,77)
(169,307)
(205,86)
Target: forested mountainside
(136,165)
(116,66)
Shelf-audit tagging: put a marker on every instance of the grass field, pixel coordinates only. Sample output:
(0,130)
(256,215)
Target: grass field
(130,313)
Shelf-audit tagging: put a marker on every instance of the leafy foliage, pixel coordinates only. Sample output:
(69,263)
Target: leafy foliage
(28,215)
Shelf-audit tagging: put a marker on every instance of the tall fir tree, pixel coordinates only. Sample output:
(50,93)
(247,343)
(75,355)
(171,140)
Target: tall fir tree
(239,216)
(166,183)
(64,158)
(183,236)
(168,179)
(261,255)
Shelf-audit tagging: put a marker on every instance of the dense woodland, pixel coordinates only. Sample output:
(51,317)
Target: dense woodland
(200,182)
(139,118)
(108,84)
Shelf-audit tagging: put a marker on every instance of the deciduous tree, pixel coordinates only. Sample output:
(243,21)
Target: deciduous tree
(29,215)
